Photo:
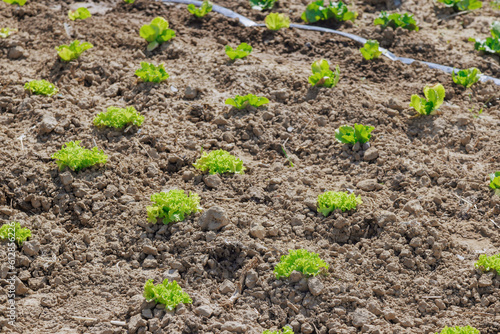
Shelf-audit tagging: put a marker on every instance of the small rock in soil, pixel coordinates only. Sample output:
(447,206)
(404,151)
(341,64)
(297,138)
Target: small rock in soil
(369,185)
(213,219)
(295,276)
(251,279)
(234,327)
(31,248)
(371,154)
(172,275)
(484,281)
(135,322)
(227,287)
(150,250)
(16,52)
(147,313)
(21,289)
(47,124)
(361,317)
(190,93)
(212,181)
(204,311)
(258,231)
(414,207)
(315,286)
(385,217)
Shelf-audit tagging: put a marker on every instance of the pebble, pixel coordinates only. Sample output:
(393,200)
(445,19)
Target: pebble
(258,231)
(316,287)
(16,52)
(371,154)
(212,181)
(385,217)
(227,287)
(190,93)
(361,317)
(213,219)
(47,124)
(234,327)
(369,185)
(204,311)
(150,250)
(31,248)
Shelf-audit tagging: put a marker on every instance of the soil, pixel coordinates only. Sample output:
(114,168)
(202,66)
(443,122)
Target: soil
(403,262)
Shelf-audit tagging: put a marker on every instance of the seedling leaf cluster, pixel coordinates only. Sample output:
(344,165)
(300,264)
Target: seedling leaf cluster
(276,21)
(76,157)
(15,2)
(317,11)
(14,230)
(370,50)
(286,330)
(352,135)
(495,182)
(308,263)
(73,51)
(204,9)
(168,294)
(466,77)
(489,263)
(242,102)
(6,32)
(459,330)
(322,76)
(490,44)
(219,162)
(151,73)
(332,200)
(240,52)
(172,206)
(262,4)
(156,33)
(395,20)
(461,5)
(41,87)
(119,117)
(81,13)
(434,98)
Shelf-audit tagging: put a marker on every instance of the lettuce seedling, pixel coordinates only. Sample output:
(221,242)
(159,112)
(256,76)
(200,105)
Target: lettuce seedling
(349,135)
(460,5)
(172,206)
(6,32)
(495,182)
(329,201)
(459,330)
(151,73)
(219,162)
(262,4)
(81,13)
(156,33)
(490,44)
(316,11)
(370,50)
(168,294)
(41,87)
(241,102)
(286,330)
(15,2)
(205,8)
(434,98)
(72,51)
(322,75)
(466,77)
(395,20)
(489,263)
(119,117)
(240,52)
(76,157)
(306,262)
(276,21)
(14,232)
(129,1)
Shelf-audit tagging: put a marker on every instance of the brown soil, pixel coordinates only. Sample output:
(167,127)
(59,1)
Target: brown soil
(403,262)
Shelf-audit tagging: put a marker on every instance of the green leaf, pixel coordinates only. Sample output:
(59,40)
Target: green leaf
(151,73)
(352,135)
(276,21)
(461,5)
(41,87)
(262,4)
(317,11)
(286,330)
(459,330)
(72,51)
(76,157)
(242,102)
(370,50)
(308,263)
(395,20)
(495,182)
(434,98)
(331,200)
(219,162)
(129,1)
(205,8)
(466,77)
(119,117)
(168,294)
(14,232)
(6,32)
(241,51)
(322,75)
(172,206)
(156,33)
(15,2)
(81,13)
(495,29)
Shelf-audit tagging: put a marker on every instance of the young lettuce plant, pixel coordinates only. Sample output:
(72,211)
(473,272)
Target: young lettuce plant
(489,263)
(370,50)
(151,73)
(81,13)
(395,20)
(41,87)
(459,330)
(332,200)
(76,157)
(205,8)
(172,206)
(242,102)
(15,2)
(461,5)
(156,33)
(6,32)
(322,76)
(466,77)
(240,52)
(286,330)
(495,182)
(308,263)
(118,117)
(276,21)
(434,98)
(13,232)
(262,4)
(349,135)
(72,51)
(129,1)
(317,11)
(219,162)
(490,44)
(168,294)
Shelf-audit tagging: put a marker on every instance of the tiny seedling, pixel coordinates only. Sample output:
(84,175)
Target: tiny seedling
(219,162)
(490,44)
(41,87)
(352,135)
(434,98)
(13,232)
(495,182)
(205,8)
(129,1)
(262,4)
(276,21)
(241,51)
(287,157)
(15,2)
(81,13)
(395,20)
(286,330)
(119,117)
(332,200)
(156,33)
(459,330)
(317,11)
(242,102)
(306,262)
(370,50)
(172,206)
(489,263)
(476,114)
(466,77)
(72,51)
(76,157)
(168,294)
(322,76)
(6,32)
(151,73)
(461,5)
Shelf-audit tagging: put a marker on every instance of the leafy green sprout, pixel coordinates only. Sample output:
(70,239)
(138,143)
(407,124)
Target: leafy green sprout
(434,98)
(286,330)
(41,87)
(262,4)
(6,32)
(495,183)
(129,1)
(156,33)
(308,263)
(168,294)
(352,135)
(287,157)
(370,50)
(76,157)
(13,232)
(488,263)
(15,2)
(322,76)
(151,73)
(73,51)
(395,20)
(240,52)
(81,13)
(466,77)
(490,44)
(242,102)
(332,200)
(172,206)
(276,21)
(118,117)
(459,330)
(205,8)
(317,11)
(219,162)
(461,5)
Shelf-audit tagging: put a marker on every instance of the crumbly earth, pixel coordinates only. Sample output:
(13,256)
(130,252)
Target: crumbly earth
(403,262)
